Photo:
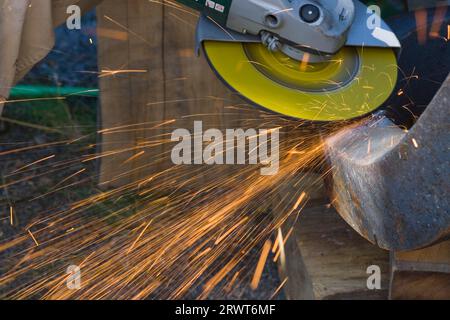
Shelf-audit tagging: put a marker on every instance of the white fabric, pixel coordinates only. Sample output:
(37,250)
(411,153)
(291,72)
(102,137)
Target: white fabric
(26,35)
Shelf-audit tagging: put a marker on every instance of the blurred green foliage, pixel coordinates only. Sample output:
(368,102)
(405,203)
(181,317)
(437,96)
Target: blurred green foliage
(70,116)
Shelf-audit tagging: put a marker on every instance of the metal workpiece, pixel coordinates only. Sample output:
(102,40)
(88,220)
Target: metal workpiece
(392,186)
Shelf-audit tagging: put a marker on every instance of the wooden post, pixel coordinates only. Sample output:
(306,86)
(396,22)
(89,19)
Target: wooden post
(158,78)
(129,39)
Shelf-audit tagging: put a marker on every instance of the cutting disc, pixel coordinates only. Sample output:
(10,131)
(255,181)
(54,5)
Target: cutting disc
(353,83)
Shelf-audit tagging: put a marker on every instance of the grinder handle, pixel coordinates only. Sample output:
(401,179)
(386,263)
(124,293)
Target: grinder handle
(217,10)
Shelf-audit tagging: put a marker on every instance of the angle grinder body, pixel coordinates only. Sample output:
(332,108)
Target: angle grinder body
(307,59)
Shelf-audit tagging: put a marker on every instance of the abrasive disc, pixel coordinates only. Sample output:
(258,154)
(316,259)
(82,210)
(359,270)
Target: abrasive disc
(355,82)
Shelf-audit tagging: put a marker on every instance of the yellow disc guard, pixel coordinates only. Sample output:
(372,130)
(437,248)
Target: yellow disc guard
(355,82)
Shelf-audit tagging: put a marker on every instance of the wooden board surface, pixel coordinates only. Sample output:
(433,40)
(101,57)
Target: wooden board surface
(124,96)
(327,259)
(421,274)
(166,81)
(337,258)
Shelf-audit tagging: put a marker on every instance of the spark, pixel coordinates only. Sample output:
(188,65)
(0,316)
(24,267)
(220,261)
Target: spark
(282,11)
(222,221)
(201,226)
(134,157)
(140,235)
(231,283)
(70,177)
(33,99)
(11,215)
(175,6)
(127,29)
(108,73)
(80,93)
(304,62)
(30,125)
(34,163)
(299,200)
(281,250)
(230,230)
(414,141)
(41,146)
(220,26)
(277,290)
(32,237)
(260,266)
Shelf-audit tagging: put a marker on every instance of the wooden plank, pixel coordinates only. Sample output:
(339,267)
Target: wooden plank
(178,85)
(337,258)
(299,284)
(130,38)
(327,259)
(191,88)
(421,274)
(438,256)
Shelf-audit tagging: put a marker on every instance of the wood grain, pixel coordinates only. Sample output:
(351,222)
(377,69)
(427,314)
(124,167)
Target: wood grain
(326,258)
(421,274)
(144,35)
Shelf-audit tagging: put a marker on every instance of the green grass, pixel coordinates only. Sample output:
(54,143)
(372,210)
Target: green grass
(71,116)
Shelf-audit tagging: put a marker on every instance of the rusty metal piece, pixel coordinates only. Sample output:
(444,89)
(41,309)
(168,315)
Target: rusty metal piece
(393,186)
